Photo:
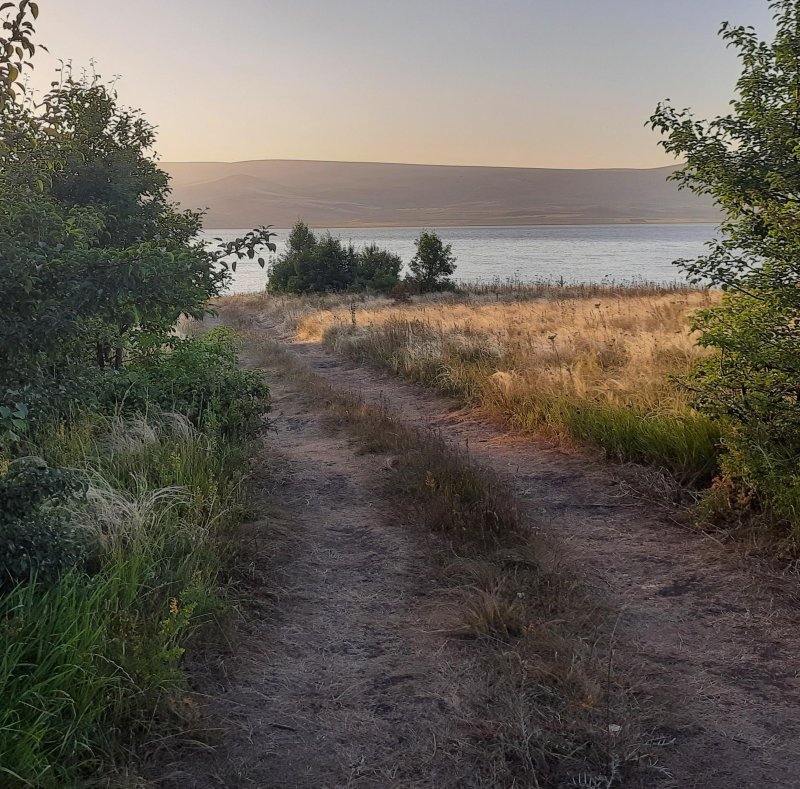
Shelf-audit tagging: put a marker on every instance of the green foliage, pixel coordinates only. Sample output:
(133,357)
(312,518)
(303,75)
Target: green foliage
(89,664)
(107,570)
(326,264)
(43,547)
(90,249)
(16,46)
(36,538)
(433,264)
(747,161)
(199,378)
(94,258)
(13,420)
(377,269)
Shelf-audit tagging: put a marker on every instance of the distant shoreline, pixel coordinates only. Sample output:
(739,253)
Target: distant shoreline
(443,225)
(365,195)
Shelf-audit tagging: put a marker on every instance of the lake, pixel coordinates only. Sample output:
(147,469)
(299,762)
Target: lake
(578,253)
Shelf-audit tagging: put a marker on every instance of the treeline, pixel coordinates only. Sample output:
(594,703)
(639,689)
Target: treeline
(312,264)
(122,447)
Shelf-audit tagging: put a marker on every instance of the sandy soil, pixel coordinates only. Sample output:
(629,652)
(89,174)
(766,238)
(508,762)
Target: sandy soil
(714,635)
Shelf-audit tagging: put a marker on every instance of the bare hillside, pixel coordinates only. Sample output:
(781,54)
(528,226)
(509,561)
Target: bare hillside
(352,194)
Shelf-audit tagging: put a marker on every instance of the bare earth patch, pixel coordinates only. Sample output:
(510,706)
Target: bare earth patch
(349,677)
(714,635)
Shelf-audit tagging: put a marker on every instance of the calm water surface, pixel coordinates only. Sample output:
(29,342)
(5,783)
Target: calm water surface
(578,253)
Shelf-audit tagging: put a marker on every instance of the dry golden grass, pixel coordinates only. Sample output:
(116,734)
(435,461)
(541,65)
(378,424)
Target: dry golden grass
(596,364)
(621,349)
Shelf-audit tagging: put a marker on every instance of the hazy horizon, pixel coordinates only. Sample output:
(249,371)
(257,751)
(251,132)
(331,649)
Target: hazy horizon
(380,194)
(545,84)
(405,164)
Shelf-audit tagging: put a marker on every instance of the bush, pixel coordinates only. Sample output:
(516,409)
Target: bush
(747,162)
(324,265)
(377,269)
(91,663)
(44,548)
(36,538)
(199,378)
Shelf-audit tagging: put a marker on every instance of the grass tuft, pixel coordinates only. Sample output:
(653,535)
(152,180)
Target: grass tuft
(91,666)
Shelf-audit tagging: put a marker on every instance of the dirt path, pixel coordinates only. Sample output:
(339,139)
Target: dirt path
(348,680)
(713,636)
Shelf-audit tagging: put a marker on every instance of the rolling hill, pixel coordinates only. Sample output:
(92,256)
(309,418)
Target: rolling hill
(364,194)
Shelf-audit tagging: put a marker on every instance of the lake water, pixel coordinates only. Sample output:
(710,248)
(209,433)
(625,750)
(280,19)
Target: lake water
(578,253)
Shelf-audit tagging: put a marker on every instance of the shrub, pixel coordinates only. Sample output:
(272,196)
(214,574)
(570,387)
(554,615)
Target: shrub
(323,265)
(36,538)
(377,269)
(747,161)
(199,378)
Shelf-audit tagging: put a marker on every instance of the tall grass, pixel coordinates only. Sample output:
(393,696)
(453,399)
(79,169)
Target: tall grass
(89,665)
(599,370)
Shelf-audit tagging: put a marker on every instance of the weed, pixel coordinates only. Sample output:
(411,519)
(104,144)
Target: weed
(90,663)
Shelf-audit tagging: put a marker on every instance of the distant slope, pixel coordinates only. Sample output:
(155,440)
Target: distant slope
(352,194)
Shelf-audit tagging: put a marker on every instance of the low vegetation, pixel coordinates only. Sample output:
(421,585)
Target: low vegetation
(556,709)
(123,447)
(600,369)
(115,526)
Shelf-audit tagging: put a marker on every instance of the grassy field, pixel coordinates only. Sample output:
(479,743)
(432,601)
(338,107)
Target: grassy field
(593,364)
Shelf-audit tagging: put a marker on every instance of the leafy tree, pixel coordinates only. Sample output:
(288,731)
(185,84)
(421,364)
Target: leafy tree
(749,161)
(433,264)
(16,46)
(321,265)
(93,256)
(301,239)
(377,269)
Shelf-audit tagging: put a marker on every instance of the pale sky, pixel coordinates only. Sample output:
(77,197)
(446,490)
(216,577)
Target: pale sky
(535,83)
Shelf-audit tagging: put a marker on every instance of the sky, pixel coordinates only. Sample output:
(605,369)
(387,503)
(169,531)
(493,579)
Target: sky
(521,83)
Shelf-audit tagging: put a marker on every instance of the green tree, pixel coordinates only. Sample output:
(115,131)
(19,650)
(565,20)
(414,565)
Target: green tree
(433,264)
(93,255)
(325,265)
(16,46)
(749,161)
(377,269)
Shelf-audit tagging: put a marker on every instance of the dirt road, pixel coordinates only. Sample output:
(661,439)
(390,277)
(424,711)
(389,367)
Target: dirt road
(713,635)
(348,677)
